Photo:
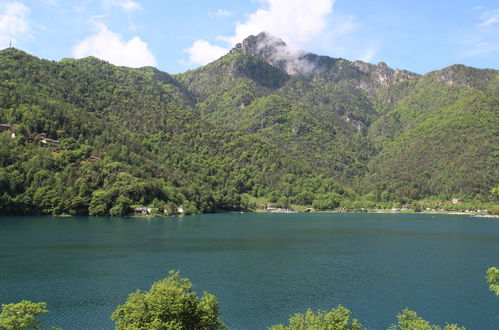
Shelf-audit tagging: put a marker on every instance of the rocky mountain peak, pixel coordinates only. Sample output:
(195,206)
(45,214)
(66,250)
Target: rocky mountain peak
(276,52)
(264,46)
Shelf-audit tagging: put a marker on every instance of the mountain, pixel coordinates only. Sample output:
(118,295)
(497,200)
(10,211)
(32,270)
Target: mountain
(266,120)
(360,123)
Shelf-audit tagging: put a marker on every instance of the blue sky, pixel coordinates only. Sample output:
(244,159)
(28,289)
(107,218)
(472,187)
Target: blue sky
(417,35)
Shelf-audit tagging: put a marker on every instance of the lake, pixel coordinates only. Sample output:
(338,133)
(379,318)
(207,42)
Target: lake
(261,267)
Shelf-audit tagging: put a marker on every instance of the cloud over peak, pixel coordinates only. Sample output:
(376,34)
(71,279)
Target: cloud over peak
(295,21)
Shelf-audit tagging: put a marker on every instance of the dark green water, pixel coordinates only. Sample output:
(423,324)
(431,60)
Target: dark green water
(262,268)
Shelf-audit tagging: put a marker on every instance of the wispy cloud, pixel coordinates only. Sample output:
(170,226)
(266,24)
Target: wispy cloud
(127,5)
(14,22)
(52,3)
(221,13)
(490,18)
(369,54)
(110,46)
(484,39)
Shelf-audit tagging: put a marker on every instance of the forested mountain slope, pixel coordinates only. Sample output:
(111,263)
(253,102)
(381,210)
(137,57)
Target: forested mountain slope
(264,120)
(149,146)
(392,130)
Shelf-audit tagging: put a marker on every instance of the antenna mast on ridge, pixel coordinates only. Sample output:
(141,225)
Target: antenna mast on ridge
(10,42)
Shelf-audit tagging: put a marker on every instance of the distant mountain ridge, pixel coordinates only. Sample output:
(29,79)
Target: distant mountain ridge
(264,120)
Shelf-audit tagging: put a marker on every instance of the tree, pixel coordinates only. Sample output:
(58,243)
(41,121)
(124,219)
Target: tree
(410,320)
(169,304)
(337,319)
(101,202)
(121,207)
(493,279)
(22,315)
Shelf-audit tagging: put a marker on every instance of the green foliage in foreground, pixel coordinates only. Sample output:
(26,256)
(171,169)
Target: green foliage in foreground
(169,304)
(410,320)
(493,279)
(22,315)
(337,319)
(340,319)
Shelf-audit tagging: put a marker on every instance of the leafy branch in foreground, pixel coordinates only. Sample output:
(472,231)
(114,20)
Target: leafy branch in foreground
(22,315)
(340,319)
(410,320)
(493,279)
(337,319)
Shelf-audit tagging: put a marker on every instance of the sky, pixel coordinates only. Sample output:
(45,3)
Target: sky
(175,36)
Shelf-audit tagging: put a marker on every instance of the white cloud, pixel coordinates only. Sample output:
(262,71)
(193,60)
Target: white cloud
(14,21)
(221,13)
(110,46)
(127,5)
(202,52)
(294,21)
(302,24)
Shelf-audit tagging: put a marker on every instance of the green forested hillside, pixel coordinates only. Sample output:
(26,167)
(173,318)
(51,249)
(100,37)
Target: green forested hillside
(439,139)
(245,125)
(152,148)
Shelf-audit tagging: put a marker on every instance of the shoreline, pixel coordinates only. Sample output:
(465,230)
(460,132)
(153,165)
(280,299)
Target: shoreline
(389,211)
(284,211)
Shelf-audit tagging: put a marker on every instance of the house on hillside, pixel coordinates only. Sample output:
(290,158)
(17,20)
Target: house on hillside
(142,210)
(93,159)
(49,142)
(5,127)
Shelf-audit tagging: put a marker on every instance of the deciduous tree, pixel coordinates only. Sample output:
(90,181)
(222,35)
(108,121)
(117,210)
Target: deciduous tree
(169,304)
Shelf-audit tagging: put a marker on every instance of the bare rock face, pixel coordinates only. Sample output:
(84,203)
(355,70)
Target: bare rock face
(450,76)
(381,75)
(386,76)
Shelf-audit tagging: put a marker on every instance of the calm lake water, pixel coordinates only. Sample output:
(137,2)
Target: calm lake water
(261,267)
